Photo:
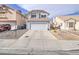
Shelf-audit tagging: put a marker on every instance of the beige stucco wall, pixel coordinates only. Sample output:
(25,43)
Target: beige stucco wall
(58,20)
(15,15)
(77,25)
(11,14)
(20,19)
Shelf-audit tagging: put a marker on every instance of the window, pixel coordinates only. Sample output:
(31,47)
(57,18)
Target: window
(2,10)
(2,15)
(33,16)
(43,16)
(71,24)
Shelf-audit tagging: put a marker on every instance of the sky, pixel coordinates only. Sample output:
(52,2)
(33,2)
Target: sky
(17,7)
(54,9)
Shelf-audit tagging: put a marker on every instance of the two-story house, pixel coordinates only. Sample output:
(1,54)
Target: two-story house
(38,20)
(12,16)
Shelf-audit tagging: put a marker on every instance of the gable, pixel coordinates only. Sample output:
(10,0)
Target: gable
(64,18)
(71,20)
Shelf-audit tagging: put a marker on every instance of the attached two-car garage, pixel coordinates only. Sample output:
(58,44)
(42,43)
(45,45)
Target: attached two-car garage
(38,25)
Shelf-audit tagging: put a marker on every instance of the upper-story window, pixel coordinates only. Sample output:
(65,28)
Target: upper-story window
(33,16)
(43,16)
(38,14)
(2,9)
(2,12)
(3,15)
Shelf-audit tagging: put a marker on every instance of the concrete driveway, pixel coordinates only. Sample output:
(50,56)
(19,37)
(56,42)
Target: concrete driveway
(33,40)
(37,40)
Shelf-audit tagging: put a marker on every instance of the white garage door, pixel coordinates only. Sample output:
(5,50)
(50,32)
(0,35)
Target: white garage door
(39,26)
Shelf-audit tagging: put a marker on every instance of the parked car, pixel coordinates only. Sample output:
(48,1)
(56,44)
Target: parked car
(5,27)
(1,28)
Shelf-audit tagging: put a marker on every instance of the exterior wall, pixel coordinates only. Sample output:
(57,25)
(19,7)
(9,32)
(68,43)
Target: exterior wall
(77,25)
(64,27)
(48,26)
(59,22)
(11,14)
(37,14)
(29,24)
(64,23)
(21,20)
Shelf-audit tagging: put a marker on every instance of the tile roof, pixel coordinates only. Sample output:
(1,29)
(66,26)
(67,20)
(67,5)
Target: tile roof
(68,17)
(7,20)
(38,11)
(39,19)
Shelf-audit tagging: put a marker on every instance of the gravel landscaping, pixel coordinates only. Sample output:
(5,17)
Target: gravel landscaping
(12,34)
(65,35)
(74,32)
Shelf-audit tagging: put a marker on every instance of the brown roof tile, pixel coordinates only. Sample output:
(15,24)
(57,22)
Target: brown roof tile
(39,19)
(38,11)
(7,20)
(68,17)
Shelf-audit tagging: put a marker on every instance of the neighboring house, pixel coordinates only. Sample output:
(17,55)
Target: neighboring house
(67,22)
(38,20)
(12,16)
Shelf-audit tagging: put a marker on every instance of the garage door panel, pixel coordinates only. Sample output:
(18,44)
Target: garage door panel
(39,26)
